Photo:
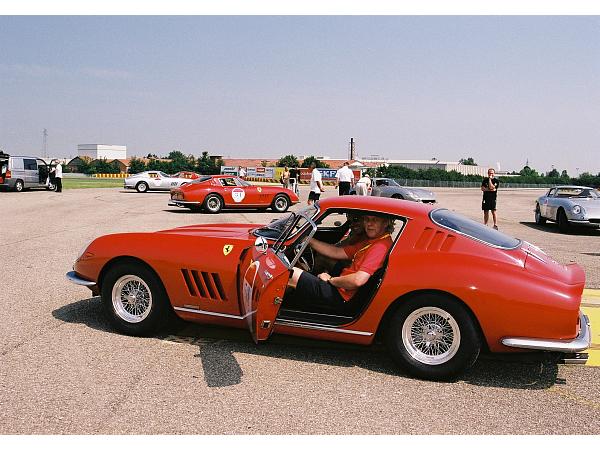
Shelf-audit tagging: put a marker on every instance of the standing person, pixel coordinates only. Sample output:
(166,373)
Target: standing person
(489,186)
(58,176)
(316,185)
(285,178)
(242,172)
(294,179)
(363,185)
(345,179)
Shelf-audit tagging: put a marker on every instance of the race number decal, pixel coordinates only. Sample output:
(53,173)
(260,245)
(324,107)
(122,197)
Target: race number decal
(238,195)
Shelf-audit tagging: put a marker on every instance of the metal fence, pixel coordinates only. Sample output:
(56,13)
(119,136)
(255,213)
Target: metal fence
(465,184)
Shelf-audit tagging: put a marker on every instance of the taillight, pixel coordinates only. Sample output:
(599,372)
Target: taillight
(7,175)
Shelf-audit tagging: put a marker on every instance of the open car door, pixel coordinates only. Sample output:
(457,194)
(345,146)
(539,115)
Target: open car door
(265,280)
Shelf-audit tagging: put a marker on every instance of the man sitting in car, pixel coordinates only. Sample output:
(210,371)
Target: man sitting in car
(366,257)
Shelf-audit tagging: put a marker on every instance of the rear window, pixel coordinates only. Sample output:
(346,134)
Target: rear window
(201,179)
(470,228)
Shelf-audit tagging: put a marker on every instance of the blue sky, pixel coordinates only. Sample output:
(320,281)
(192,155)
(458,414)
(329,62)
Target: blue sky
(499,89)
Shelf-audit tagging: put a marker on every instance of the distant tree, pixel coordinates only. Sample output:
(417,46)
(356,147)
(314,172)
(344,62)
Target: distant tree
(288,161)
(553,174)
(320,164)
(564,174)
(467,161)
(207,166)
(264,163)
(136,165)
(151,156)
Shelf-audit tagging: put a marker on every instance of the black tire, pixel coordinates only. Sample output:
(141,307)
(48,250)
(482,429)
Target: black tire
(141,187)
(151,308)
(281,203)
(19,186)
(213,203)
(563,222)
(538,216)
(424,322)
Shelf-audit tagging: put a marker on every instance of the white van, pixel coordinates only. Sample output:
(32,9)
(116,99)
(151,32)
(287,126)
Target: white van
(24,172)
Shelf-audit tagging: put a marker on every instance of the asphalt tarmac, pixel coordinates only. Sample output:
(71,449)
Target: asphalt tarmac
(64,371)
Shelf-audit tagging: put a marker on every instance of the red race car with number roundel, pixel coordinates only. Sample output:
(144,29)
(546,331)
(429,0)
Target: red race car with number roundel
(448,287)
(215,192)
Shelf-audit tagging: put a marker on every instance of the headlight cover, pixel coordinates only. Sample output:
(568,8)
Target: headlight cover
(577,209)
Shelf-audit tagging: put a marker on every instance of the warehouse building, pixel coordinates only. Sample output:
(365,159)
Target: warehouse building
(102,151)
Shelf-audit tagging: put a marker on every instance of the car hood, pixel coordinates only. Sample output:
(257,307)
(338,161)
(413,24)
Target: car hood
(421,193)
(224,231)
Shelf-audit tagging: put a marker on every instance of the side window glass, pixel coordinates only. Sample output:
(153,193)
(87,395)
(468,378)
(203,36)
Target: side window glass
(17,164)
(551,193)
(30,164)
(333,220)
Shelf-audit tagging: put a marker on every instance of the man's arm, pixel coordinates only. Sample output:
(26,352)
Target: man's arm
(329,250)
(320,186)
(351,281)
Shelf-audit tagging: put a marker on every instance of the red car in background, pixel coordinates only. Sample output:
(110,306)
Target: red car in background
(215,192)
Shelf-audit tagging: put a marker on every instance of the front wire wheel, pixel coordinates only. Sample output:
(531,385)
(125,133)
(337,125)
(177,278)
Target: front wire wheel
(131,298)
(135,300)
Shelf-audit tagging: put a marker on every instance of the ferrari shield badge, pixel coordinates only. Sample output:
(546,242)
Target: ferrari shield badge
(227,249)
(259,189)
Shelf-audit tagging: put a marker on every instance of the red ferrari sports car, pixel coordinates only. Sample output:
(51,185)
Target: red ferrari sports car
(215,192)
(448,288)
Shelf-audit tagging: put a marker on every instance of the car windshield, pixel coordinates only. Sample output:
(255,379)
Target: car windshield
(202,179)
(164,175)
(275,228)
(576,193)
(475,230)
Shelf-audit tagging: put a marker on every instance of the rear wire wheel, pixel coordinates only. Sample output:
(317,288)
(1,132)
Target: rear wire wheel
(433,337)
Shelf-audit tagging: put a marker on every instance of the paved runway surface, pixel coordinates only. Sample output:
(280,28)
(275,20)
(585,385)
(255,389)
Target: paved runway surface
(63,370)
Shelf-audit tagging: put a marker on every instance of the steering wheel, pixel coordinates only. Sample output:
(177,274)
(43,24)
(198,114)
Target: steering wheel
(307,259)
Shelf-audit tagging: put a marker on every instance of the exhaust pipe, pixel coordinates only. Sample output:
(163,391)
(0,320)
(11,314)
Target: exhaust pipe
(574,358)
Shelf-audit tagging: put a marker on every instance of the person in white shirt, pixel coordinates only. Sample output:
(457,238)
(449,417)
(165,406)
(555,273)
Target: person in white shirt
(58,176)
(316,184)
(363,185)
(345,179)
(241,172)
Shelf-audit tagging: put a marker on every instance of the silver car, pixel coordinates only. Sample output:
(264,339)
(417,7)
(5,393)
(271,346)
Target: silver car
(569,205)
(388,187)
(154,180)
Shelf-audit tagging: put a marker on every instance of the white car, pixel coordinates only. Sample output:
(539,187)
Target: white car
(155,180)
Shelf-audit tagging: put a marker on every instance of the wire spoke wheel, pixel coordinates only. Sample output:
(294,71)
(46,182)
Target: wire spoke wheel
(431,335)
(281,203)
(131,298)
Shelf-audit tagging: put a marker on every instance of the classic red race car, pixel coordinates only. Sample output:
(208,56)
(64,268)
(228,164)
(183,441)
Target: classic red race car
(215,192)
(449,286)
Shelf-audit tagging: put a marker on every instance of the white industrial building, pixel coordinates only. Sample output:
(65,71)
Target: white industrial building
(101,151)
(434,164)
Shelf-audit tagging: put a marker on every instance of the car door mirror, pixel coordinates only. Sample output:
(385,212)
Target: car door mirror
(261,244)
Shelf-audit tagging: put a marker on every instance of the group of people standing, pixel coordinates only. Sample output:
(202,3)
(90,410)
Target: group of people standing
(345,181)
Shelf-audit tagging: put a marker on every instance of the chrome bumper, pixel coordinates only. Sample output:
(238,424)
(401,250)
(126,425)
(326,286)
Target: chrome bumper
(182,203)
(580,343)
(73,278)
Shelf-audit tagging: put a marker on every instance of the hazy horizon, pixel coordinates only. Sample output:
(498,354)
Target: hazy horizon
(499,89)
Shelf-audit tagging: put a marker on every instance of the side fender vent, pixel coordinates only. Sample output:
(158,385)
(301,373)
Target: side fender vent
(204,284)
(434,241)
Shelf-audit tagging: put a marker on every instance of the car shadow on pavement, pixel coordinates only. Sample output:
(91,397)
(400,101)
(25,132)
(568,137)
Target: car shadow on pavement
(177,210)
(217,347)
(553,228)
